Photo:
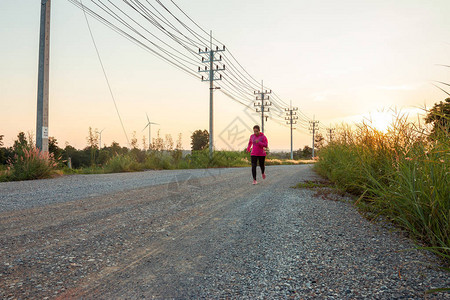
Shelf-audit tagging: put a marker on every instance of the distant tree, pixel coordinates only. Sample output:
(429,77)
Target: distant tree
(78,158)
(168,142)
(144,143)
(307,151)
(298,154)
(2,151)
(439,116)
(92,141)
(178,153)
(319,141)
(134,141)
(200,140)
(115,148)
(53,148)
(103,156)
(6,155)
(21,143)
(179,145)
(92,138)
(158,143)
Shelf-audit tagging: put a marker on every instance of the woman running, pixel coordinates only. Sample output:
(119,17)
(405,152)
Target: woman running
(259,141)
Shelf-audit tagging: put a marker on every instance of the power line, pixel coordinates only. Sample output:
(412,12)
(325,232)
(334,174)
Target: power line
(134,40)
(104,73)
(126,24)
(195,24)
(151,18)
(237,85)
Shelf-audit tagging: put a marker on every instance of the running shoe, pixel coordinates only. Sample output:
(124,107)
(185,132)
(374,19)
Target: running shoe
(255,182)
(264,176)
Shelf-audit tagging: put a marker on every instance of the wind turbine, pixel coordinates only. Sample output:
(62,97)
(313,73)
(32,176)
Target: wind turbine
(149,125)
(100,133)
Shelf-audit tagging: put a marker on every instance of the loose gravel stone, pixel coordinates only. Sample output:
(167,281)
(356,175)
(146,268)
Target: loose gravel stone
(216,236)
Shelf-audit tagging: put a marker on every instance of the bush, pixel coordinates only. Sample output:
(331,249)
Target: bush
(159,160)
(122,163)
(201,159)
(30,163)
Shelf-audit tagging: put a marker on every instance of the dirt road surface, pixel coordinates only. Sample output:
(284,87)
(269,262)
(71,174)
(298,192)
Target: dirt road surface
(199,234)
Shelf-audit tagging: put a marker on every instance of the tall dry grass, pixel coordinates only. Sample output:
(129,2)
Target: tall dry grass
(402,174)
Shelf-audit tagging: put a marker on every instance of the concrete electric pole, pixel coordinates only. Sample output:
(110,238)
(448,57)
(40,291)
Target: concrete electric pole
(43,78)
(211,71)
(330,133)
(262,104)
(313,126)
(291,116)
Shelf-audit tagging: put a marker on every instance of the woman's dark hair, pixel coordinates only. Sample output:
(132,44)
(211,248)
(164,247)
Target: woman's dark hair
(256,127)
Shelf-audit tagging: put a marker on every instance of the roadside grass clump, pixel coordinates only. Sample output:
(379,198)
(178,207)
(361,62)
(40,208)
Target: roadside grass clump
(200,159)
(159,160)
(86,170)
(270,161)
(30,163)
(310,184)
(3,173)
(323,189)
(123,163)
(402,174)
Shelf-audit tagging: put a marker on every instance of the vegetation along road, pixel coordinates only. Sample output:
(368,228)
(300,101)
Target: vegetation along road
(200,233)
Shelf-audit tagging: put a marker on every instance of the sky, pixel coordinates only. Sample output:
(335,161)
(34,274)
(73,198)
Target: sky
(337,61)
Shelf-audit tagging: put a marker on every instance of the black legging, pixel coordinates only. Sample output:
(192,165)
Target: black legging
(261,164)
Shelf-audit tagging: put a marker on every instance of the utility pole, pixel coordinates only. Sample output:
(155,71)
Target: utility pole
(291,113)
(313,126)
(330,133)
(262,104)
(211,71)
(100,134)
(43,78)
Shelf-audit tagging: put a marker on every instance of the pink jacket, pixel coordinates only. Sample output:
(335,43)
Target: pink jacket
(259,143)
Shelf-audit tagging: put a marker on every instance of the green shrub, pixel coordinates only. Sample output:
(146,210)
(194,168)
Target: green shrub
(122,163)
(201,159)
(159,160)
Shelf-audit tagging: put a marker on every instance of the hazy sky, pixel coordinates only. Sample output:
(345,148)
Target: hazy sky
(335,60)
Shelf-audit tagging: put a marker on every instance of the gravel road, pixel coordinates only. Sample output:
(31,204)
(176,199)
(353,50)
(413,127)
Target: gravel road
(199,234)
